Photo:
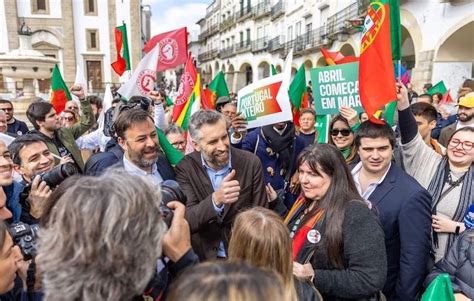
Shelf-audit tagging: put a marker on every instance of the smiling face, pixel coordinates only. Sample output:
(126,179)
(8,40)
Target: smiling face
(6,165)
(35,159)
(9,256)
(213,143)
(314,184)
(344,136)
(375,154)
(465,114)
(460,149)
(140,144)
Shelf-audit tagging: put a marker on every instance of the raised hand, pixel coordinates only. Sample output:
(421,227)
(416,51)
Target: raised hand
(78,91)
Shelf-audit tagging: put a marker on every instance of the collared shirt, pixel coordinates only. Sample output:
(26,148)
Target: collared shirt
(216,177)
(131,168)
(372,186)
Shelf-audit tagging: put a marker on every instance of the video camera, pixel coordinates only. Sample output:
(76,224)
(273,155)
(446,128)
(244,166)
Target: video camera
(24,236)
(170,191)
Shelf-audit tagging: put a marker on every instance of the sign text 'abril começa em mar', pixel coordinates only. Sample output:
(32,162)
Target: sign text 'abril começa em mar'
(336,86)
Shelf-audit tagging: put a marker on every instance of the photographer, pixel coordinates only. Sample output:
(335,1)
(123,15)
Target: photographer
(31,157)
(118,232)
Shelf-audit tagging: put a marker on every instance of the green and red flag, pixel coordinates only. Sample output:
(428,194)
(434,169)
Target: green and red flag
(337,58)
(185,88)
(440,87)
(395,28)
(216,88)
(376,74)
(298,94)
(60,93)
(121,45)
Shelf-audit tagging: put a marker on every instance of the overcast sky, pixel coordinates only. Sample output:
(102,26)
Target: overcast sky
(168,15)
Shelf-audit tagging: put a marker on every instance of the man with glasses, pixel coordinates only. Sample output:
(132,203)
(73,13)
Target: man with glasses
(175,136)
(15,126)
(449,179)
(465,118)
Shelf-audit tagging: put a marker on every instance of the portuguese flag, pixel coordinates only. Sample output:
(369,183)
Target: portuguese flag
(337,58)
(298,94)
(191,106)
(123,56)
(171,153)
(216,89)
(60,93)
(376,74)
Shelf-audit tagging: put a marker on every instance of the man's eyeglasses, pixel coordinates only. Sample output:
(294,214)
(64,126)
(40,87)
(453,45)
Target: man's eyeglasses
(178,143)
(344,132)
(7,109)
(466,145)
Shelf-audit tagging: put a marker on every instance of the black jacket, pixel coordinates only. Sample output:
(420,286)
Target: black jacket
(459,264)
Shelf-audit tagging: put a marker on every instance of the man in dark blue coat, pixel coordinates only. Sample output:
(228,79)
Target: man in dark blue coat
(404,208)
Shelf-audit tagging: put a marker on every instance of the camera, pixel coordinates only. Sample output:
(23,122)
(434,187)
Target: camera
(57,175)
(170,191)
(24,236)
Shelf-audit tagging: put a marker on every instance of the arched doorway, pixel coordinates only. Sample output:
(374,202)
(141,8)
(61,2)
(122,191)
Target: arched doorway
(263,70)
(408,50)
(216,69)
(347,50)
(454,58)
(278,69)
(308,65)
(245,76)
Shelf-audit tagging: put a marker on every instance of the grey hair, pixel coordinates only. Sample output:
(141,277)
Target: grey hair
(173,129)
(201,118)
(102,239)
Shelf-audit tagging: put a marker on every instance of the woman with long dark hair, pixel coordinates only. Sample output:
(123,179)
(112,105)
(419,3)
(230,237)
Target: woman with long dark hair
(338,242)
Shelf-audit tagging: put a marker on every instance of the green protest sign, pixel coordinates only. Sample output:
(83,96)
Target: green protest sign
(336,86)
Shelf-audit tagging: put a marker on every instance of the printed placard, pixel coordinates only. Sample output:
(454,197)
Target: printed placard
(265,102)
(336,86)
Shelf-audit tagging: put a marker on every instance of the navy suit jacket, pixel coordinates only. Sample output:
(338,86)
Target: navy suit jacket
(404,209)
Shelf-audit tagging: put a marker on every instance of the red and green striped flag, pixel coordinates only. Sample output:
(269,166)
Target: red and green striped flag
(60,93)
(216,89)
(121,44)
(273,69)
(192,105)
(298,94)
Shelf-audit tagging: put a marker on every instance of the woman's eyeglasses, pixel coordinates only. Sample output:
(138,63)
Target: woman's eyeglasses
(344,132)
(466,145)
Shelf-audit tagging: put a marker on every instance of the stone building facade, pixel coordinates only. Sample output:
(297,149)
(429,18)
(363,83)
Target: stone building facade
(78,33)
(244,37)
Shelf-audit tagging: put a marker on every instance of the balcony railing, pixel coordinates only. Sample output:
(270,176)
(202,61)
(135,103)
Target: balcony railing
(244,13)
(337,23)
(302,44)
(260,44)
(277,10)
(228,22)
(209,55)
(213,29)
(261,10)
(227,52)
(275,44)
(243,46)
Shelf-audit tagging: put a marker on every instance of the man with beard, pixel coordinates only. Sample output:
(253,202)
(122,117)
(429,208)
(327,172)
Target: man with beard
(137,136)
(219,182)
(465,118)
(15,126)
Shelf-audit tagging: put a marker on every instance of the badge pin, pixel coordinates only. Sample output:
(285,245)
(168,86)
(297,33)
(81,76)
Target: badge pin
(270,171)
(313,236)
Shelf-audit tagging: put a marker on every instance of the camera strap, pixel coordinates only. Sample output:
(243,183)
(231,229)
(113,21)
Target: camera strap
(30,278)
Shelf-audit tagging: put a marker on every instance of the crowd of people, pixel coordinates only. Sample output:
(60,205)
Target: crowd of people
(98,212)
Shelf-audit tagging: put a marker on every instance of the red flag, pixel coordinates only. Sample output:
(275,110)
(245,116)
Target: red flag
(446,98)
(186,86)
(376,75)
(121,44)
(60,93)
(173,48)
(337,58)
